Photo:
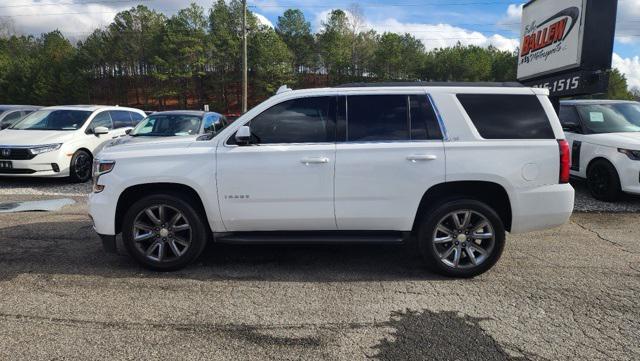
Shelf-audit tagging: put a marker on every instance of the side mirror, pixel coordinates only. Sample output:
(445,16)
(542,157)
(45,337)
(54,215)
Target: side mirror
(4,126)
(100,130)
(243,135)
(127,131)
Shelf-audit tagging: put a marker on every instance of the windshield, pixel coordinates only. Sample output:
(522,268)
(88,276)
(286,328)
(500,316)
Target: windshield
(168,125)
(610,118)
(53,120)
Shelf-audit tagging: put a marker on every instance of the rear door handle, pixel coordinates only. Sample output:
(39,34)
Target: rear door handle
(421,157)
(315,160)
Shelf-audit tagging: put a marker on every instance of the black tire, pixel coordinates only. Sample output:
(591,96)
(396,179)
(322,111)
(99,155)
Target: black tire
(603,181)
(80,169)
(467,268)
(198,232)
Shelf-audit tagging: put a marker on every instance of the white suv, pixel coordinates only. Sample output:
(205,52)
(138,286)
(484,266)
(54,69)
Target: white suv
(452,167)
(604,136)
(61,141)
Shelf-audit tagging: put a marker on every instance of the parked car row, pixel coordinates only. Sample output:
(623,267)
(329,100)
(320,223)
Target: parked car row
(62,141)
(450,167)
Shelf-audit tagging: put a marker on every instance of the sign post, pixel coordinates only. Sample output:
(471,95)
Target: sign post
(567,45)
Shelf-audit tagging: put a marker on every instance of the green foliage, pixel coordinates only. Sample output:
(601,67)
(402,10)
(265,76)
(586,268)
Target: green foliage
(618,88)
(146,59)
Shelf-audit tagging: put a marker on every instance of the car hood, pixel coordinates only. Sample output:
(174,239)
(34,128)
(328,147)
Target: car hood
(629,140)
(126,144)
(34,137)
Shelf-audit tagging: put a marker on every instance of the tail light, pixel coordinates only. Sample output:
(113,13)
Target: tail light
(565,161)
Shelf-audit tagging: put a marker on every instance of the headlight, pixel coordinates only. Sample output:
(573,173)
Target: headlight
(39,149)
(101,167)
(632,154)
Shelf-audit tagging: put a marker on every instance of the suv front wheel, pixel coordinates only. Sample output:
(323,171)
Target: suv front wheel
(163,232)
(461,238)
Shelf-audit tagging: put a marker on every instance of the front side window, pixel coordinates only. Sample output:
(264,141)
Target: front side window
(168,125)
(101,120)
(305,120)
(53,120)
(507,116)
(608,118)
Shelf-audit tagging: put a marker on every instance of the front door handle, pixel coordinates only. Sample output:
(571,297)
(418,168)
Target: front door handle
(314,160)
(421,157)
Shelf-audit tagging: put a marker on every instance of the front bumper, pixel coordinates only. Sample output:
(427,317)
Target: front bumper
(629,172)
(41,165)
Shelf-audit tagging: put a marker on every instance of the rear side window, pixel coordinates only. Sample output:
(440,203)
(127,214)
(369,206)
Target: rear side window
(121,119)
(498,116)
(377,118)
(136,118)
(391,118)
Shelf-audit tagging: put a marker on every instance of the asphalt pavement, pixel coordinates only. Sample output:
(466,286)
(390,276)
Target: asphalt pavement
(567,293)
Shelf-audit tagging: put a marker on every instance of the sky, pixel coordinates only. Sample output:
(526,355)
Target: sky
(437,23)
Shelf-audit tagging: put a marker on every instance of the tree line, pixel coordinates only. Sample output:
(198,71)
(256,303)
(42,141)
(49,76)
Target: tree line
(147,59)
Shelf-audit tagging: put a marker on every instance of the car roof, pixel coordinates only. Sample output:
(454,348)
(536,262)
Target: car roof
(433,84)
(595,102)
(15,106)
(91,108)
(182,112)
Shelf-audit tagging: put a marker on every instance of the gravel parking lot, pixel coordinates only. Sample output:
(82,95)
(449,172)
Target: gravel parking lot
(568,293)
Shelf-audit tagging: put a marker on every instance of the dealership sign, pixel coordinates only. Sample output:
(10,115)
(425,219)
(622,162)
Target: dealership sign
(566,46)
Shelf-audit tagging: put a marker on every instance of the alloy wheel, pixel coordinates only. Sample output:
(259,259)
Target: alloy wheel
(464,239)
(162,233)
(82,166)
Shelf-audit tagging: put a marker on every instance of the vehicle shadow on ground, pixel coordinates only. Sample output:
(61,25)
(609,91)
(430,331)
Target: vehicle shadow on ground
(73,248)
(427,335)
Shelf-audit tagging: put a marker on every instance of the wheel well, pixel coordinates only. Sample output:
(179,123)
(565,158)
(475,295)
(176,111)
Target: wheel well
(86,150)
(600,159)
(137,192)
(492,194)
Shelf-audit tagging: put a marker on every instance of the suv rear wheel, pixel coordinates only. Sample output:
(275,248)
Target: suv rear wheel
(603,181)
(163,232)
(461,238)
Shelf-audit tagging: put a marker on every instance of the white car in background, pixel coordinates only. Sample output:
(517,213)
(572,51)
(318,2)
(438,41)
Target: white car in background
(11,114)
(604,137)
(61,141)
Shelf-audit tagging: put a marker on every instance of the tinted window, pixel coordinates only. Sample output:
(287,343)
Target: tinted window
(212,123)
(101,120)
(507,116)
(121,118)
(424,123)
(569,116)
(136,118)
(377,118)
(306,120)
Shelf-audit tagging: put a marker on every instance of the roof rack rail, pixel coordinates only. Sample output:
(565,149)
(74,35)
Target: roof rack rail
(433,84)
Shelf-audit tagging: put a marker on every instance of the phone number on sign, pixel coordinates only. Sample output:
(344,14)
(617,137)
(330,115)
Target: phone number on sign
(561,84)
